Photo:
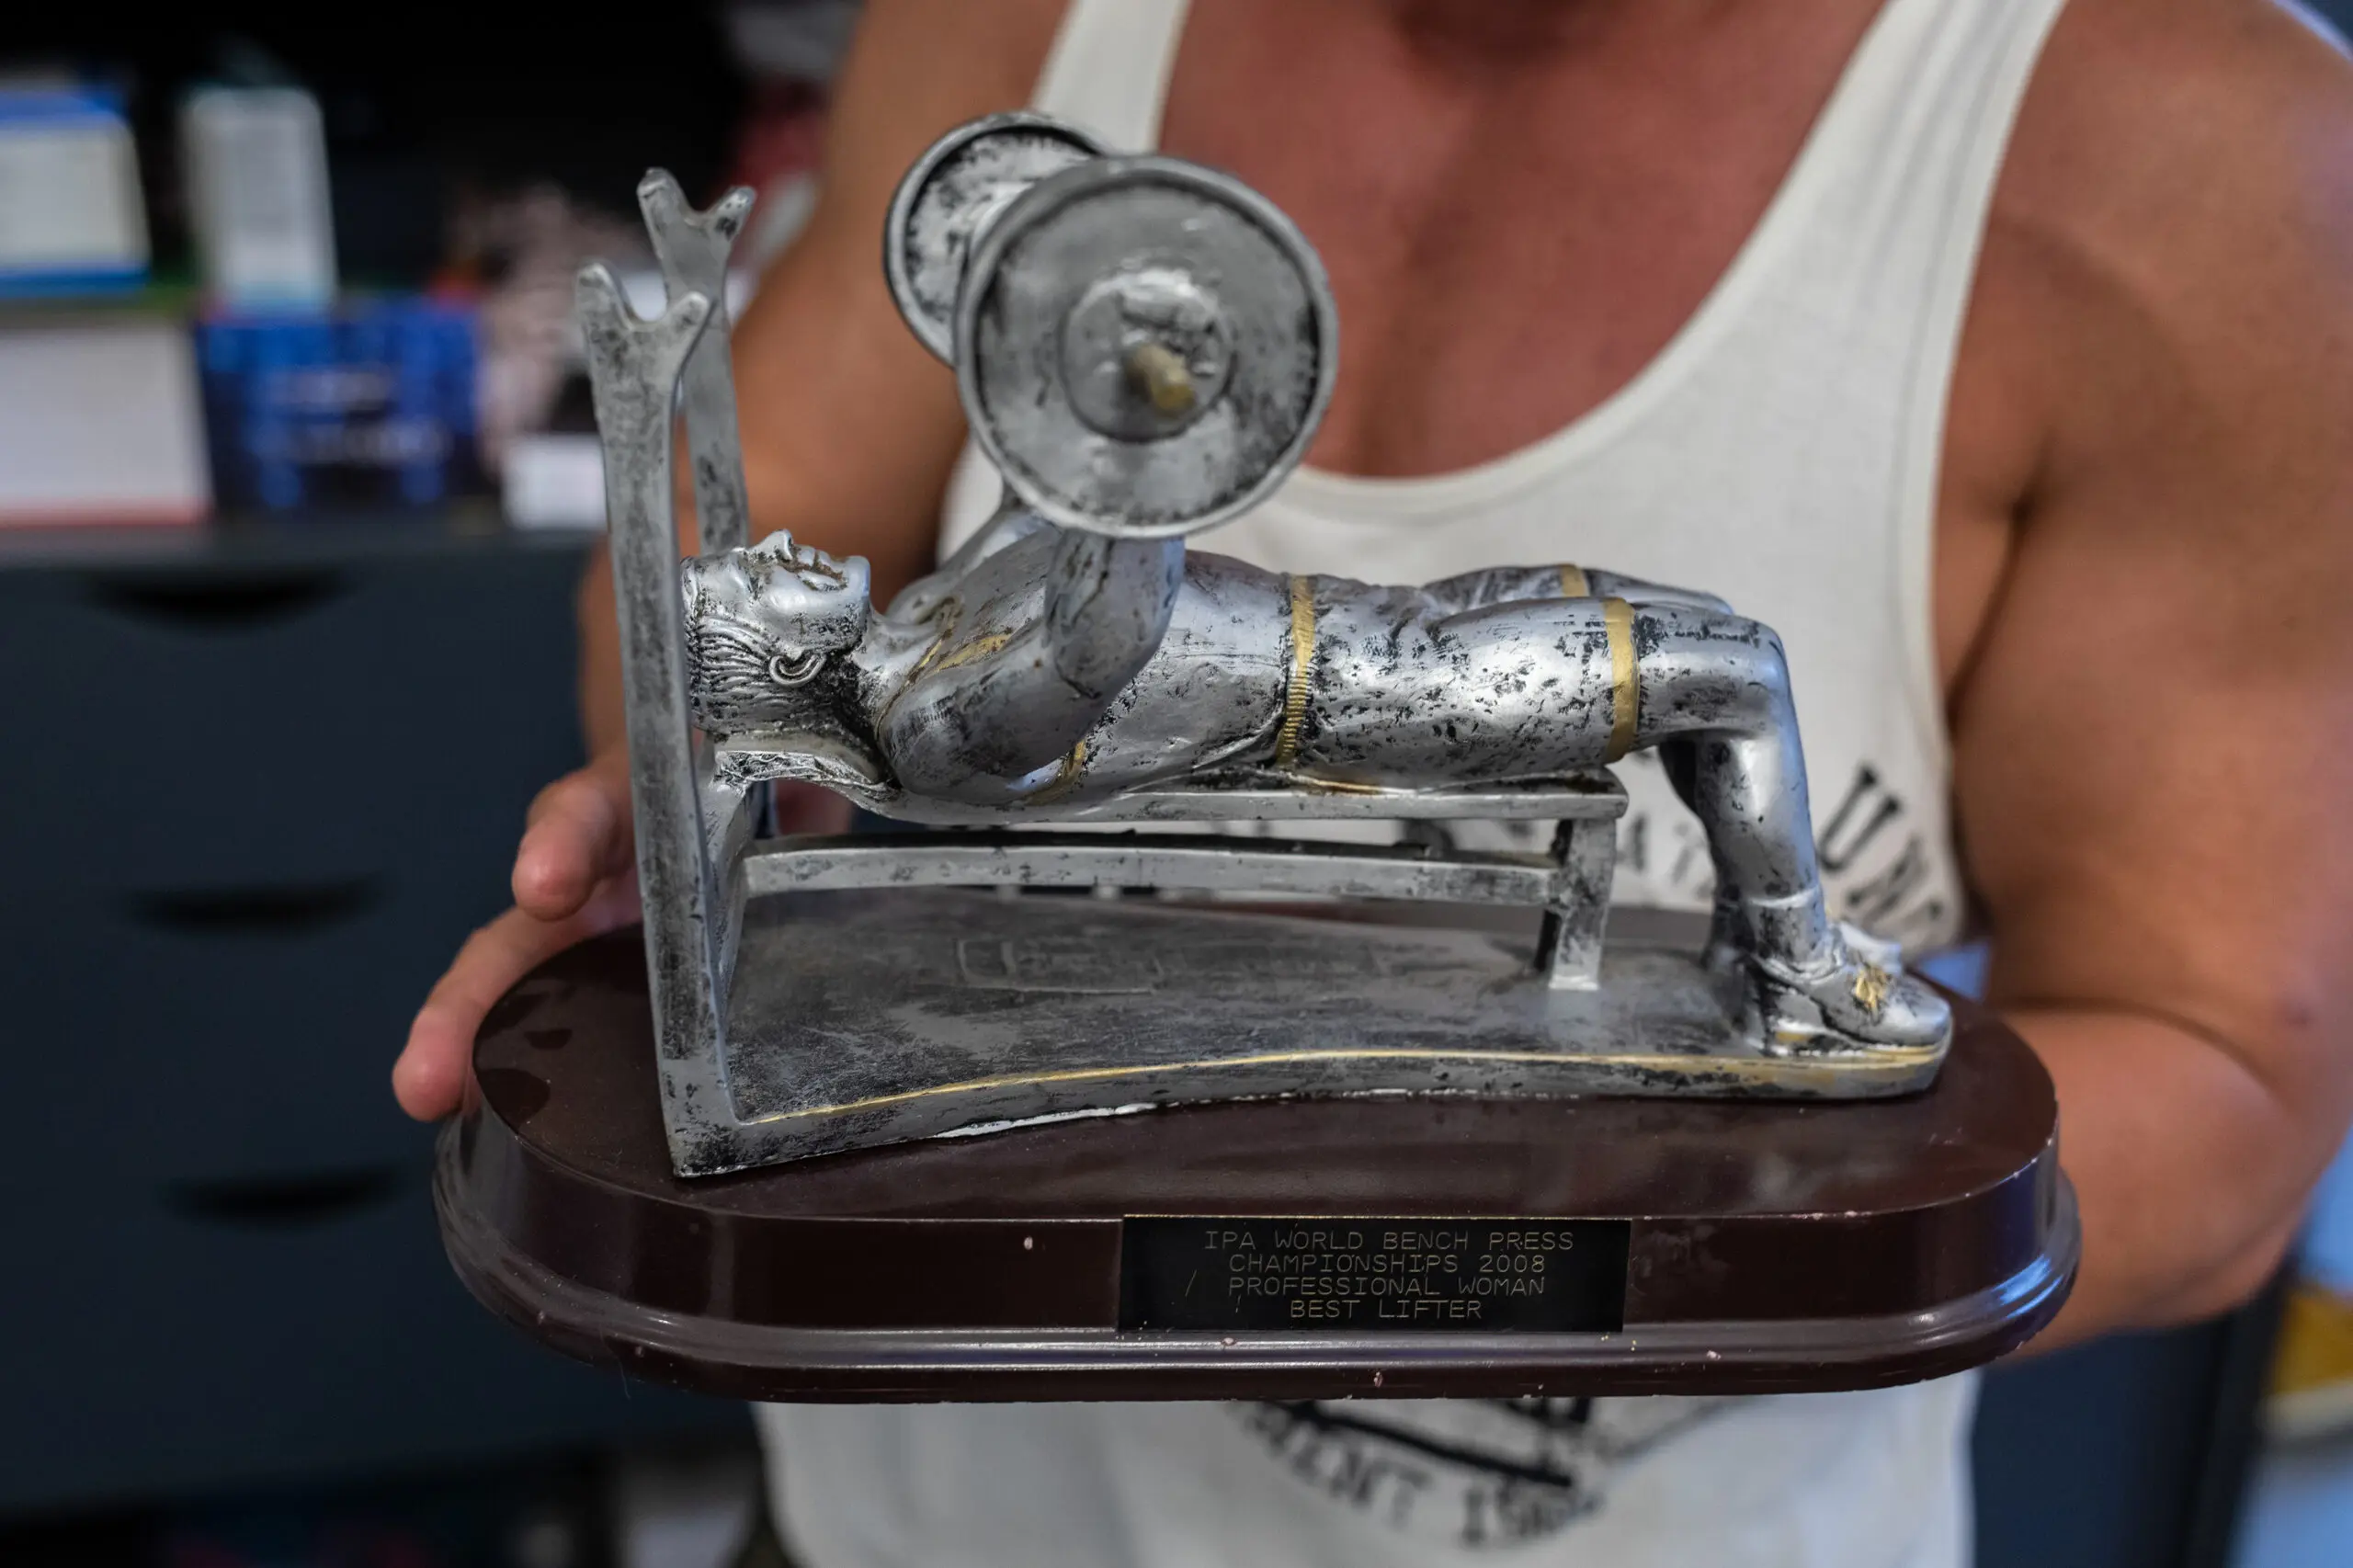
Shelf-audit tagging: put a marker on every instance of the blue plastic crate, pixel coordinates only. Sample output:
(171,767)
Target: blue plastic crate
(371,406)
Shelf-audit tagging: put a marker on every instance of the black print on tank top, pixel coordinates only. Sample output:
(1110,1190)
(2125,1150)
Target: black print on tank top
(1471,1474)
(1875,860)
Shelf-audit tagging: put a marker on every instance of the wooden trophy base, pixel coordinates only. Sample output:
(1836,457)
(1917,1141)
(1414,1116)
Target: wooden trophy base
(1446,1245)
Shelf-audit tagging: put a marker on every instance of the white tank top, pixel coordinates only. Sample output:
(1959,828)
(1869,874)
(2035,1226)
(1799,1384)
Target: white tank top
(1781,450)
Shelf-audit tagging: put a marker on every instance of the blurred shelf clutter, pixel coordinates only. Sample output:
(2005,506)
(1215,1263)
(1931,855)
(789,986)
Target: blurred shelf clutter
(255,263)
(296,288)
(370,403)
(256,164)
(100,420)
(71,220)
(2311,1397)
(2300,1510)
(2311,1383)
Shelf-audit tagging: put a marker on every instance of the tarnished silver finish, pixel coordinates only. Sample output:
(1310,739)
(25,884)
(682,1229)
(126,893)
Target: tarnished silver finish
(1146,351)
(1065,669)
(1238,796)
(959,186)
(1571,885)
(1144,345)
(692,248)
(1568,947)
(633,369)
(1010,1013)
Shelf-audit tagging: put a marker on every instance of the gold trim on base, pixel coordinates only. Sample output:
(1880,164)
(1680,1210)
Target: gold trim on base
(1782,1071)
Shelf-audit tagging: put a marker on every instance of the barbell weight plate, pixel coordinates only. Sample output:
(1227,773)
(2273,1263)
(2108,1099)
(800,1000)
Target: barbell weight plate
(1189,395)
(962,181)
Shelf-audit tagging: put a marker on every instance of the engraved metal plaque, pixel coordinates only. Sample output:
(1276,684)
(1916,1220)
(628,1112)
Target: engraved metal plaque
(1352,1274)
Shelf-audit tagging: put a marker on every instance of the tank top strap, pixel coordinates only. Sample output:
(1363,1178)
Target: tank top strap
(1108,69)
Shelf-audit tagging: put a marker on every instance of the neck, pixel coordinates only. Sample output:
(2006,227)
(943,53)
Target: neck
(1505,30)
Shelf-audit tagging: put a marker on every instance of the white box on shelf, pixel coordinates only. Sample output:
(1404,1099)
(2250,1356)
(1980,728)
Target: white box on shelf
(257,163)
(555,480)
(100,422)
(70,216)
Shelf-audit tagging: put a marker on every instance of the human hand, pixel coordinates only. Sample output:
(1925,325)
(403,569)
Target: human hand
(576,877)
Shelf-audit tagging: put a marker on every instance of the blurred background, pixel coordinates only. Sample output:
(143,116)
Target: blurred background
(296,473)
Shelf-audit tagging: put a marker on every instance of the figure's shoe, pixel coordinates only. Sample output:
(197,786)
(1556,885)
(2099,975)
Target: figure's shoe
(1851,1004)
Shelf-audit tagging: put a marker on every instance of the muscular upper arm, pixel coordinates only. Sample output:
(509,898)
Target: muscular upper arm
(1020,682)
(2154,747)
(849,427)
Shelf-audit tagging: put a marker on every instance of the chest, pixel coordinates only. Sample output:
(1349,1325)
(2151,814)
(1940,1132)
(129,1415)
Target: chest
(1518,205)
(1520,213)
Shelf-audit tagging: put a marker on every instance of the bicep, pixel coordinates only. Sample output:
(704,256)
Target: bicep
(1498,585)
(2151,757)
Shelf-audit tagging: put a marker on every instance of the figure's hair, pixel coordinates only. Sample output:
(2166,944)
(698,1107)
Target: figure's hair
(727,671)
(768,629)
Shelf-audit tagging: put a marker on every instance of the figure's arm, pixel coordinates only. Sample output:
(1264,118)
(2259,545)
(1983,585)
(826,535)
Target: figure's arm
(1505,585)
(1008,525)
(1000,702)
(2154,743)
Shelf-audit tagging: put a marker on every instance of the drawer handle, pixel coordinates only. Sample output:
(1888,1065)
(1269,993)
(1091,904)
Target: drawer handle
(281,911)
(240,601)
(318,1197)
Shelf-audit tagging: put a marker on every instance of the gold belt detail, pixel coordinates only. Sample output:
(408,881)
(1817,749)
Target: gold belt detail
(1573,585)
(1302,656)
(1617,616)
(1065,778)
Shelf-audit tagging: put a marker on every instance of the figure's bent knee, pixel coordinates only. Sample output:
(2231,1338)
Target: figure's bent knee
(1702,671)
(1644,594)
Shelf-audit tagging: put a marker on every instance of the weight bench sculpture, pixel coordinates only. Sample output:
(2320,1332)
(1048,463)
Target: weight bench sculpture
(1144,349)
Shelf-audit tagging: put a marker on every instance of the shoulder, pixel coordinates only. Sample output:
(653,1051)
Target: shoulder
(2172,246)
(2215,84)
(2192,157)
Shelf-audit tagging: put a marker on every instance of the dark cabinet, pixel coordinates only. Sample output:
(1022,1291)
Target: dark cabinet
(253,792)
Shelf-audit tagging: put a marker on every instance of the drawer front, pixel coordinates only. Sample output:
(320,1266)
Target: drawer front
(216,923)
(202,1036)
(170,1345)
(250,813)
(300,723)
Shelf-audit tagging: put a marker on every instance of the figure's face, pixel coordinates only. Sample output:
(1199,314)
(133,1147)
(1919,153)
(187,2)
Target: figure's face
(766,629)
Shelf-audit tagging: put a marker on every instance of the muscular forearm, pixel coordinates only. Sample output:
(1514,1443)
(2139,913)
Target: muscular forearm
(1106,607)
(2190,1169)
(1001,700)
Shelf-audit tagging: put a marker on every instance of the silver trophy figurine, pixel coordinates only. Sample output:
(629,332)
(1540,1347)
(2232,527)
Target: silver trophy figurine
(1144,348)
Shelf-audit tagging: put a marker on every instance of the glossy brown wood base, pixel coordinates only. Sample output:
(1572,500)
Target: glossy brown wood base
(1772,1246)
